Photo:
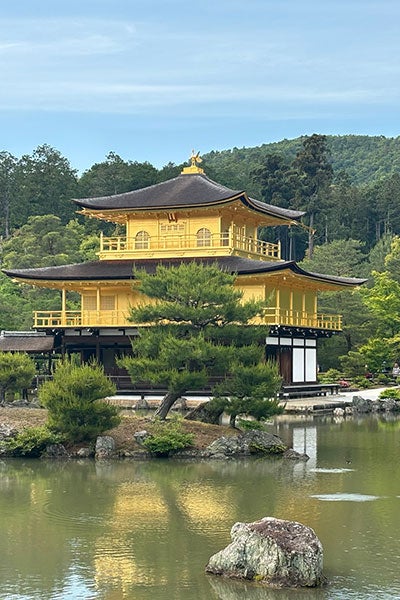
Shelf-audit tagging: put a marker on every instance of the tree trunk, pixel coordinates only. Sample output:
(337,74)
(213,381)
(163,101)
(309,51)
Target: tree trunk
(166,404)
(311,234)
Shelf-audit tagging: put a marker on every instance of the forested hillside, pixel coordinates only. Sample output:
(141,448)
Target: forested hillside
(348,186)
(364,158)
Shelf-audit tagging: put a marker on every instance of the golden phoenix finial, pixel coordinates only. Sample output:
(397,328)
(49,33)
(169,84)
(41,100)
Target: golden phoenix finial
(195,159)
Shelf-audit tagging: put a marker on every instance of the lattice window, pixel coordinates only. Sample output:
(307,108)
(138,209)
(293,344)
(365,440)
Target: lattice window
(107,303)
(89,302)
(203,237)
(172,228)
(142,240)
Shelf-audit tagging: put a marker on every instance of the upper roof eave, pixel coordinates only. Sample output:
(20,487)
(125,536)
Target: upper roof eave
(182,192)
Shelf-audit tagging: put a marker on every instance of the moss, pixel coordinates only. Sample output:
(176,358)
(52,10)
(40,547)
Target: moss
(258,449)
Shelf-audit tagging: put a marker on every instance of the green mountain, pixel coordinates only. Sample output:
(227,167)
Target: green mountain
(364,158)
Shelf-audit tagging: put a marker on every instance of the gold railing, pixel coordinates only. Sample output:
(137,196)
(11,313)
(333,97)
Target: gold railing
(77,318)
(221,242)
(115,318)
(297,318)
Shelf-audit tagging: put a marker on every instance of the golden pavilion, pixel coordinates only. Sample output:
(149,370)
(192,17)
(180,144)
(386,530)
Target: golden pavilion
(187,218)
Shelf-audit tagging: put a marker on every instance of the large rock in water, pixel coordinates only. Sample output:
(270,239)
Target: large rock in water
(273,551)
(248,443)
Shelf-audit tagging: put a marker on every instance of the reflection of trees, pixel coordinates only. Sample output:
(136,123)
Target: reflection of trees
(46,505)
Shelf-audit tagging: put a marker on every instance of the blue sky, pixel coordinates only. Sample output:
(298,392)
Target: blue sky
(152,79)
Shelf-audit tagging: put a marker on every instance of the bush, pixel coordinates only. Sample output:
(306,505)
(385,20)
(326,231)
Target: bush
(330,376)
(361,382)
(382,379)
(31,442)
(16,372)
(166,438)
(75,402)
(248,425)
(393,393)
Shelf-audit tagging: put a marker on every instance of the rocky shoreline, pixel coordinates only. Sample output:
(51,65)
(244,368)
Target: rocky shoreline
(126,440)
(210,441)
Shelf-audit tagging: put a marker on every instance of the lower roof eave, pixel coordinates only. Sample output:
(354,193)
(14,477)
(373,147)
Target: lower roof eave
(123,270)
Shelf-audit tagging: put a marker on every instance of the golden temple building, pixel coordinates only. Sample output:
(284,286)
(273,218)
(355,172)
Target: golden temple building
(187,218)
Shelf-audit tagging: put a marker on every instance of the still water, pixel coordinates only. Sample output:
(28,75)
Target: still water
(130,530)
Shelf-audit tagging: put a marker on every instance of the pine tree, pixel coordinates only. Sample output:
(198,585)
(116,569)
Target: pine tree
(199,331)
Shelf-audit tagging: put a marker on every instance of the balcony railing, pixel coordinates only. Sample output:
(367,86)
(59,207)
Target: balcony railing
(115,318)
(170,245)
(297,318)
(77,318)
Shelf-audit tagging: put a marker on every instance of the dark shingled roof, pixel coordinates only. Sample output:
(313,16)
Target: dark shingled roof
(24,342)
(117,270)
(184,191)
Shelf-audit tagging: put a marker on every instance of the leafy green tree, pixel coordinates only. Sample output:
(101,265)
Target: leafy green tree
(16,373)
(379,256)
(115,176)
(43,241)
(375,356)
(343,258)
(45,184)
(75,400)
(392,259)
(8,164)
(169,171)
(383,300)
(15,305)
(197,331)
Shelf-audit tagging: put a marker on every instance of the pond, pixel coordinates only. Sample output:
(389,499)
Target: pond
(141,530)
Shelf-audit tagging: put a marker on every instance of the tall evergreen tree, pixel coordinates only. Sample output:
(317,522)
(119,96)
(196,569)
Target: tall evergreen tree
(315,178)
(199,331)
(8,164)
(45,184)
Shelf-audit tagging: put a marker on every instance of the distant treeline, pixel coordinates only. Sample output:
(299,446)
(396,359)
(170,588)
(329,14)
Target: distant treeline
(359,199)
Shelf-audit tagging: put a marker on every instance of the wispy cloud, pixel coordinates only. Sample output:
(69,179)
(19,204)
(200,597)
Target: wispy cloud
(138,66)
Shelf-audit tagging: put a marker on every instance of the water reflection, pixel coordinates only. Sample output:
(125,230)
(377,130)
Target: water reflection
(237,590)
(145,530)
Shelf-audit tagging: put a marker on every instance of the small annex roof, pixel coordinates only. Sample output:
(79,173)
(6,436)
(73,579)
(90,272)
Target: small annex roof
(26,341)
(120,270)
(185,191)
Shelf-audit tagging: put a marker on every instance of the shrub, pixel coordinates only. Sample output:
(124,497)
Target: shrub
(248,425)
(393,393)
(16,372)
(31,441)
(75,402)
(361,382)
(167,438)
(330,376)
